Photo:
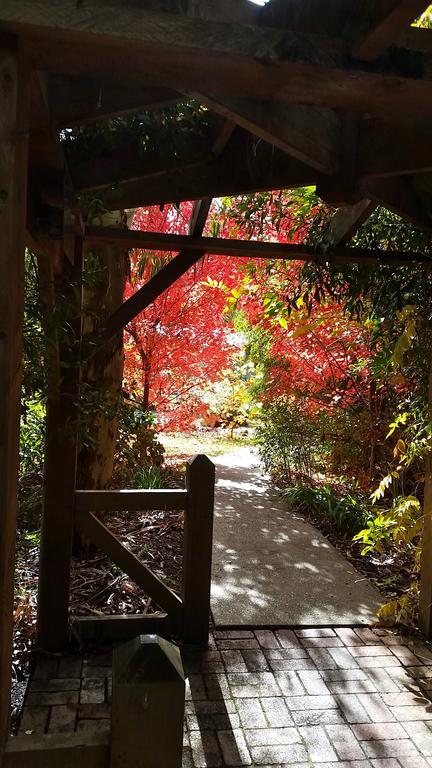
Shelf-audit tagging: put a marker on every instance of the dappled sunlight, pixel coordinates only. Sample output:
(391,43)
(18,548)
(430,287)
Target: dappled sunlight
(272,567)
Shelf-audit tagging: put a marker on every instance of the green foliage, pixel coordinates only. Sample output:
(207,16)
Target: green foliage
(148,477)
(401,524)
(347,513)
(287,441)
(139,453)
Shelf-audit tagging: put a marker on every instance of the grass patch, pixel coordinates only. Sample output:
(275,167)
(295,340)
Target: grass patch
(212,444)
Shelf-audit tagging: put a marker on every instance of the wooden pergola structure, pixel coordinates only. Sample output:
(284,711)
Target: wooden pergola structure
(336,94)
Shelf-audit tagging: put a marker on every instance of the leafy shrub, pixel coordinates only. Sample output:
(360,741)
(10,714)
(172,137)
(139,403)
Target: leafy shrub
(148,477)
(347,513)
(138,449)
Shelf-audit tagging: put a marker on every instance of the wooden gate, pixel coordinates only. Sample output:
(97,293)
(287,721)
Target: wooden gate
(186,617)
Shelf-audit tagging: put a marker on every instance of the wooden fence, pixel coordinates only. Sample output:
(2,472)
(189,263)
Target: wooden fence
(187,616)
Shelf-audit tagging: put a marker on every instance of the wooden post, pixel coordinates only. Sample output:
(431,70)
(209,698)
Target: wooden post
(61,458)
(148,704)
(425,600)
(14,103)
(198,545)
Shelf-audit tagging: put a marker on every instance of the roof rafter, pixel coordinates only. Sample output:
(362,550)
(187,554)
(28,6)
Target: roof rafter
(195,55)
(387,28)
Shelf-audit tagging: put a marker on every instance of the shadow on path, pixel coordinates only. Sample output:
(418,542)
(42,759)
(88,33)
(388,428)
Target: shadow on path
(271,567)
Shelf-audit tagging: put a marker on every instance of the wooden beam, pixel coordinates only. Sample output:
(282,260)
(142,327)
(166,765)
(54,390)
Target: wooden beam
(394,148)
(250,249)
(194,55)
(399,195)
(307,133)
(245,166)
(88,750)
(129,163)
(14,114)
(130,501)
(347,221)
(60,456)
(94,530)
(113,629)
(386,29)
(76,101)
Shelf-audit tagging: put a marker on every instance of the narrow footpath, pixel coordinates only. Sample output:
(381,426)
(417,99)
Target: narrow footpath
(271,567)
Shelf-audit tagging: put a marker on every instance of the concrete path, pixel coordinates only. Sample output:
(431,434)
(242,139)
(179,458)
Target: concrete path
(270,567)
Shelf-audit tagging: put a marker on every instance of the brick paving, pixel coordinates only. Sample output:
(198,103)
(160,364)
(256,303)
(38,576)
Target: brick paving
(348,698)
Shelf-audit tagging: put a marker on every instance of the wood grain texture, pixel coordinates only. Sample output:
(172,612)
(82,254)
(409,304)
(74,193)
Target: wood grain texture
(198,548)
(251,249)
(109,629)
(92,528)
(386,29)
(192,54)
(88,750)
(130,501)
(14,111)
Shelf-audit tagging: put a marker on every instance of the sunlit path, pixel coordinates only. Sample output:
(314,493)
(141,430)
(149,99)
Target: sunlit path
(270,567)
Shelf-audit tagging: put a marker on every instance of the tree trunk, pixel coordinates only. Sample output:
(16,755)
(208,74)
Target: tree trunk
(106,269)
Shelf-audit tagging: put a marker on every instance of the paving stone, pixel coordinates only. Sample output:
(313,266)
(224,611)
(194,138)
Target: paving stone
(242,644)
(289,683)
(69,666)
(317,717)
(389,748)
(345,742)
(94,711)
(94,671)
(251,713)
(62,719)
(377,661)
(337,675)
(98,727)
(283,755)
(381,731)
(370,650)
(287,638)
(306,703)
(343,658)
(232,634)
(322,658)
(195,688)
(317,743)
(348,637)
(376,708)
(267,639)
(405,656)
(366,634)
(352,686)
(313,682)
(34,720)
(385,762)
(352,709)
(99,659)
(42,699)
(414,762)
(205,749)
(216,687)
(276,712)
(46,668)
(421,735)
(410,714)
(212,722)
(233,661)
(234,748)
(315,632)
(421,671)
(322,642)
(423,653)
(291,664)
(405,699)
(286,653)
(254,684)
(220,706)
(56,684)
(92,691)
(262,737)
(109,689)
(382,681)
(255,661)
